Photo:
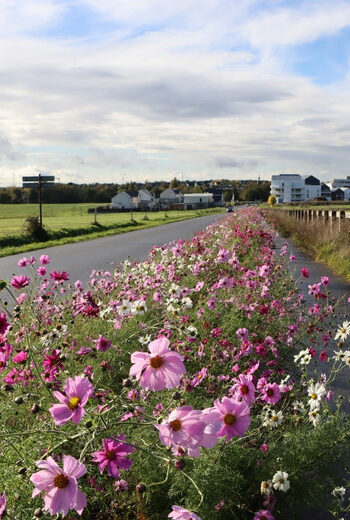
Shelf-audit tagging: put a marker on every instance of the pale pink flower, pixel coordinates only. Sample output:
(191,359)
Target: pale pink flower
(59,486)
(179,513)
(233,417)
(263,515)
(22,262)
(78,391)
(162,368)
(184,427)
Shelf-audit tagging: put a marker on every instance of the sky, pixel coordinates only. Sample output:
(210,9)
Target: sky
(121,90)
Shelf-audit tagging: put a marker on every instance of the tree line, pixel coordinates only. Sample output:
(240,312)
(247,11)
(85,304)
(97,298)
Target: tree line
(103,193)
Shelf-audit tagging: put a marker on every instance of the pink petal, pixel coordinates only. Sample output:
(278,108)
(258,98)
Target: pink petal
(73,467)
(159,346)
(60,413)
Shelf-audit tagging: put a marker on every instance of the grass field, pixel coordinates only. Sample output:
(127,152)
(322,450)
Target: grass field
(67,223)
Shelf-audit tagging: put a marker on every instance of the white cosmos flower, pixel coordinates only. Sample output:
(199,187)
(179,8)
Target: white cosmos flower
(271,418)
(339,492)
(266,487)
(144,340)
(314,417)
(316,392)
(280,481)
(303,358)
(298,406)
(186,302)
(343,331)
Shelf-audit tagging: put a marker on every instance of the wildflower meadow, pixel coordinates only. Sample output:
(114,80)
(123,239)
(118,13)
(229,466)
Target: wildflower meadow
(196,385)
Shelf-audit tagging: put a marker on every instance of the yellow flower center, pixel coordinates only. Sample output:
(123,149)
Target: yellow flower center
(60,481)
(314,396)
(156,362)
(229,419)
(274,418)
(73,402)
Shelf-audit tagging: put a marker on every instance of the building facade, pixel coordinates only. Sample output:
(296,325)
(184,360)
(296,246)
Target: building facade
(288,188)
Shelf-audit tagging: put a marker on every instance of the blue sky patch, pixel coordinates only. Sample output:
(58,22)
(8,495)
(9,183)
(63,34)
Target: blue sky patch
(325,60)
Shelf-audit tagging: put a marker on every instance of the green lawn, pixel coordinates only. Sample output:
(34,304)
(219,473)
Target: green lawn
(60,220)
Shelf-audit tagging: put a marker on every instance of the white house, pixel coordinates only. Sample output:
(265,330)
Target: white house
(198,200)
(124,200)
(346,191)
(339,183)
(145,199)
(170,196)
(288,188)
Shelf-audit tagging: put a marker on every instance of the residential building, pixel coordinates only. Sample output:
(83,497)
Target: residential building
(170,196)
(312,187)
(124,200)
(288,188)
(198,200)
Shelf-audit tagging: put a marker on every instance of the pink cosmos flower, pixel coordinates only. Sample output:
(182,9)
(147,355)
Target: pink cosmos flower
(271,393)
(2,503)
(102,344)
(60,486)
(305,272)
(41,271)
(22,262)
(44,259)
(233,416)
(21,298)
(263,515)
(242,334)
(114,456)
(244,389)
(179,513)
(20,357)
(59,276)
(3,323)
(18,282)
(78,391)
(184,427)
(160,369)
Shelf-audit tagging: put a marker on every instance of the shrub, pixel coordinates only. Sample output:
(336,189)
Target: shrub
(35,230)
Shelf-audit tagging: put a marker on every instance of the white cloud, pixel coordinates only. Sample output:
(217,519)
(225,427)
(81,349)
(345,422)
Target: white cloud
(203,90)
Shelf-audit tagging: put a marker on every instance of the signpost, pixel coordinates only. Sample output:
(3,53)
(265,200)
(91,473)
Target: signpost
(39,181)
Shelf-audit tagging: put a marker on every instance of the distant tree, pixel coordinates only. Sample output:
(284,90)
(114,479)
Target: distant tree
(196,189)
(174,183)
(272,200)
(227,196)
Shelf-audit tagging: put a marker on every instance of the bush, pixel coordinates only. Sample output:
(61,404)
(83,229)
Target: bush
(35,230)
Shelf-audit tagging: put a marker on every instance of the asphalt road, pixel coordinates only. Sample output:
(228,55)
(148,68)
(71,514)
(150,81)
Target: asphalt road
(79,259)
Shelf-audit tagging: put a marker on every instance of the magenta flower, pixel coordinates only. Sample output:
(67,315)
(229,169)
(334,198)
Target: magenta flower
(59,276)
(18,282)
(184,427)
(2,503)
(41,271)
(263,515)
(102,344)
(114,456)
(305,272)
(59,486)
(271,393)
(78,391)
(3,323)
(233,416)
(44,259)
(21,357)
(179,513)
(161,369)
